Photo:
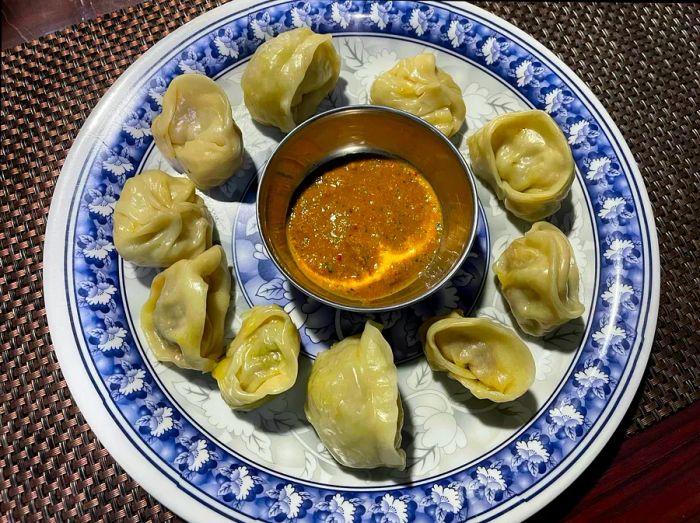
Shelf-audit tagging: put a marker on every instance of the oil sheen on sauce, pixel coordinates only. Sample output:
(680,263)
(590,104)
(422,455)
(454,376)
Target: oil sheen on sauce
(366,228)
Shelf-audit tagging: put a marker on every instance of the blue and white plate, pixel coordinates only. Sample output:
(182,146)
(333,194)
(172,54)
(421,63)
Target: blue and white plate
(467,458)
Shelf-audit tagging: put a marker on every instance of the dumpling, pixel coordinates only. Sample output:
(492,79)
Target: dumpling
(418,86)
(525,158)
(261,361)
(288,77)
(196,133)
(183,318)
(423,329)
(539,279)
(353,402)
(487,358)
(159,219)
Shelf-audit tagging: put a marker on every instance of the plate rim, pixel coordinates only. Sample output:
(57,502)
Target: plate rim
(91,404)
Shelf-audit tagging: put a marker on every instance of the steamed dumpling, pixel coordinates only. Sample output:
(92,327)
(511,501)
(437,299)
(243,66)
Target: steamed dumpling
(423,329)
(539,279)
(353,402)
(159,220)
(288,77)
(183,319)
(525,158)
(487,358)
(196,133)
(261,361)
(418,86)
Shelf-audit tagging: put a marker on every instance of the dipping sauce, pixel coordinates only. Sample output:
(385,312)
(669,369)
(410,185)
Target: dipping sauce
(366,228)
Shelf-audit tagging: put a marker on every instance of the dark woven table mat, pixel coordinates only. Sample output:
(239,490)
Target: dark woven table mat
(640,60)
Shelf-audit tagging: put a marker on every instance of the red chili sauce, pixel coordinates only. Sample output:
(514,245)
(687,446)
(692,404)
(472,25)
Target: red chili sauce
(365,229)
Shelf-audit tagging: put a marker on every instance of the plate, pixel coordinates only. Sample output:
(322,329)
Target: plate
(467,458)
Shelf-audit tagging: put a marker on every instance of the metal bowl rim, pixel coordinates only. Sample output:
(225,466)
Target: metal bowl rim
(429,290)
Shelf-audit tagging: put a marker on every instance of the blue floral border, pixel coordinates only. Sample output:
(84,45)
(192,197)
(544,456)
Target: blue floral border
(509,472)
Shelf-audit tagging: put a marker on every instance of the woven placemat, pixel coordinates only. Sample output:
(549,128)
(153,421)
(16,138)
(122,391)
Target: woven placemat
(640,60)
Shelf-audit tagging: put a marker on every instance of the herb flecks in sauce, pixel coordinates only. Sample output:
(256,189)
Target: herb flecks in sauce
(365,229)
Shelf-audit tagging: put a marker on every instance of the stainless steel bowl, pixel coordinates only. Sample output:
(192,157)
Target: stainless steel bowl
(380,130)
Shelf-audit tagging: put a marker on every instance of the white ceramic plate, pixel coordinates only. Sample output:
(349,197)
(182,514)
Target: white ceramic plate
(467,458)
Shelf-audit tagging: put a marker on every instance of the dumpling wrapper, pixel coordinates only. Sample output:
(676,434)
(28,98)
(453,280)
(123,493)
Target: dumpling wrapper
(159,219)
(183,318)
(416,85)
(353,402)
(539,279)
(487,358)
(423,329)
(288,77)
(196,132)
(526,160)
(261,361)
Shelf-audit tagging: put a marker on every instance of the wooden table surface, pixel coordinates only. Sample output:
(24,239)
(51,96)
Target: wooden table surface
(652,476)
